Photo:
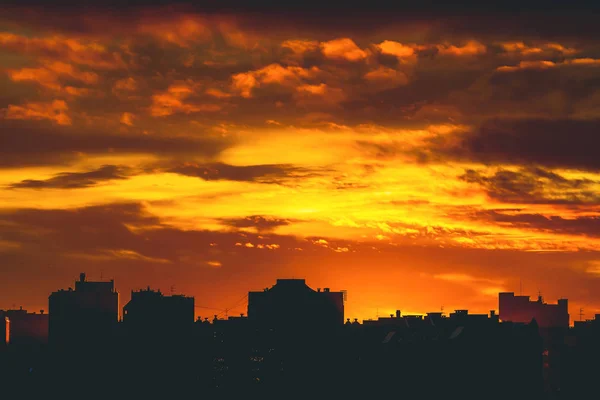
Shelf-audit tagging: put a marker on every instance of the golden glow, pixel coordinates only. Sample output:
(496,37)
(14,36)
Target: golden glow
(342,158)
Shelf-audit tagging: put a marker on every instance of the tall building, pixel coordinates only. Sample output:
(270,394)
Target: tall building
(158,330)
(27,328)
(149,309)
(291,303)
(522,309)
(85,316)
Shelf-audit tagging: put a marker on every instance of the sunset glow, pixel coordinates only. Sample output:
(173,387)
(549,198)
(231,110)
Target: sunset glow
(415,165)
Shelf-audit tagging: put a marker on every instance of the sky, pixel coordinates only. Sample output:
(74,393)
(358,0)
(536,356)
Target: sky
(423,158)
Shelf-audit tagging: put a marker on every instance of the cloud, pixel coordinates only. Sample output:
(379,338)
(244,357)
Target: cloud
(246,82)
(553,143)
(583,225)
(262,224)
(51,75)
(300,46)
(127,118)
(471,48)
(387,76)
(320,94)
(75,180)
(55,111)
(128,84)
(535,186)
(536,18)
(219,94)
(545,64)
(127,234)
(266,173)
(61,48)
(396,49)
(522,49)
(173,101)
(183,31)
(25,143)
(343,49)
(214,264)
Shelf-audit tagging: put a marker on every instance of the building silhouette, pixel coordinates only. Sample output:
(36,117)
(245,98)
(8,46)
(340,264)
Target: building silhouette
(156,339)
(153,311)
(521,309)
(86,316)
(293,339)
(461,355)
(291,303)
(27,328)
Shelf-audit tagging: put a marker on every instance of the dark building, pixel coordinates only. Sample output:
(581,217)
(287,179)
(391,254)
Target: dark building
(27,328)
(521,309)
(294,333)
(553,325)
(462,355)
(432,319)
(4,330)
(156,327)
(291,303)
(576,354)
(85,316)
(149,309)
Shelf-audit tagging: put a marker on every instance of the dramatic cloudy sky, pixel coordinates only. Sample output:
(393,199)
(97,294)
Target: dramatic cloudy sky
(417,158)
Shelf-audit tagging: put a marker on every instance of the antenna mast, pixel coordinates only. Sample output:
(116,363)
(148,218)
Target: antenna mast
(520,287)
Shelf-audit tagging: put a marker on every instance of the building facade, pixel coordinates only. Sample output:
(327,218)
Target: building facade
(522,309)
(150,309)
(292,303)
(27,328)
(87,315)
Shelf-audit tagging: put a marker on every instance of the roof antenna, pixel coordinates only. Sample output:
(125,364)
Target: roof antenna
(520,287)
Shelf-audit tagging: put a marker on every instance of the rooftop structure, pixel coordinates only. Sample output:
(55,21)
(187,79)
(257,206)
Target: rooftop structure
(522,309)
(292,303)
(84,315)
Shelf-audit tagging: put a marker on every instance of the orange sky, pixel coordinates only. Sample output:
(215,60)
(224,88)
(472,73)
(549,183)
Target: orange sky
(418,165)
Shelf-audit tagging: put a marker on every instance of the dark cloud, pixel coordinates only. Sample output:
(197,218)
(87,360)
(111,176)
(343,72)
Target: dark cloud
(75,180)
(588,226)
(534,185)
(265,173)
(554,143)
(116,232)
(259,222)
(24,143)
(557,92)
(534,17)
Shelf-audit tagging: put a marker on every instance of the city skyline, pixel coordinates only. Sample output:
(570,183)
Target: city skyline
(418,156)
(512,307)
